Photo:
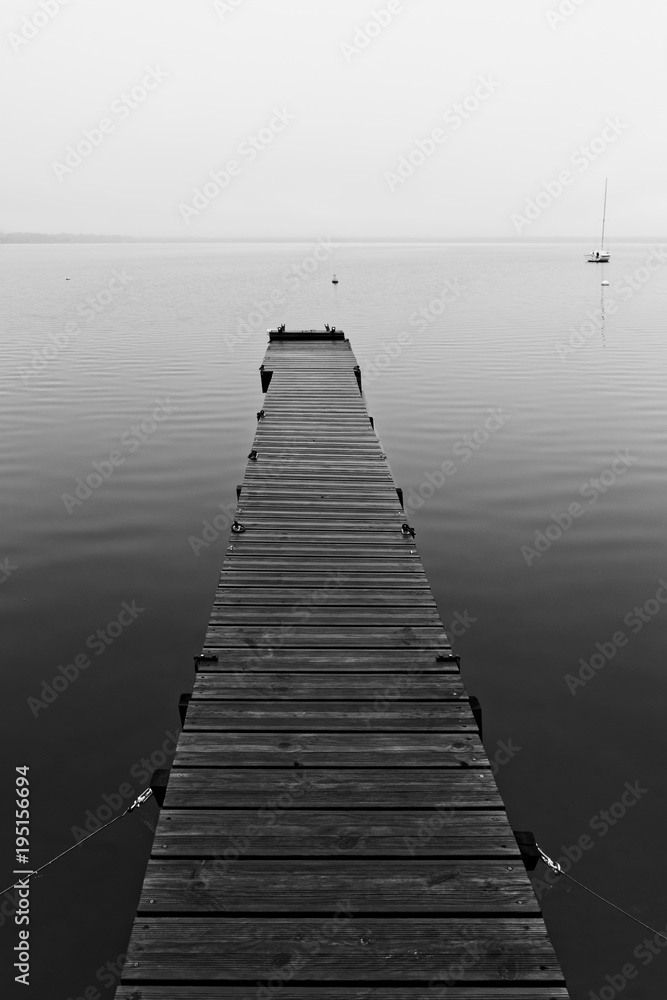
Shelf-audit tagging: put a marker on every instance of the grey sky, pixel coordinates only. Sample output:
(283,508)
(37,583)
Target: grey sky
(220,69)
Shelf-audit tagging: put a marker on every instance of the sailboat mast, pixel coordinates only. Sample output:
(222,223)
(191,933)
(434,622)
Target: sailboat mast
(604,213)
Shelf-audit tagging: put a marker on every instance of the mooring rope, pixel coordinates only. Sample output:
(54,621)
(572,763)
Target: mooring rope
(559,871)
(139,801)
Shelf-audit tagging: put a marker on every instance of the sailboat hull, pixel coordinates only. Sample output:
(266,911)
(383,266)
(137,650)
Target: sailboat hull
(600,259)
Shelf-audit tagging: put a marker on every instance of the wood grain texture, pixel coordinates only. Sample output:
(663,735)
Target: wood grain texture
(314,636)
(346,716)
(181,992)
(315,749)
(331,788)
(344,947)
(333,660)
(338,596)
(300,535)
(352,575)
(332,615)
(339,833)
(286,686)
(316,885)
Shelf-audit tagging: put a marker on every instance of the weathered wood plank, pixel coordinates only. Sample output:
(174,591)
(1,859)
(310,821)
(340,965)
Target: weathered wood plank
(442,716)
(364,490)
(253,546)
(342,596)
(347,565)
(208,833)
(241,576)
(412,661)
(349,948)
(292,384)
(353,505)
(345,402)
(280,685)
(352,456)
(372,992)
(313,636)
(269,481)
(276,432)
(259,473)
(354,502)
(317,788)
(274,476)
(304,536)
(303,613)
(255,522)
(313,749)
(328,409)
(313,450)
(336,431)
(350,482)
(316,886)
(347,418)
(296,505)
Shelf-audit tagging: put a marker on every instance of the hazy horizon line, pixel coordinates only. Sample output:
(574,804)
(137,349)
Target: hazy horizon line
(36,237)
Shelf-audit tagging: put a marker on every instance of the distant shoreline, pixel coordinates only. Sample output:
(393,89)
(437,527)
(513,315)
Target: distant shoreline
(17,238)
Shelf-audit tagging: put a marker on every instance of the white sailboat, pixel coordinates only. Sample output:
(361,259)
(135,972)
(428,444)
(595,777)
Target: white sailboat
(601,256)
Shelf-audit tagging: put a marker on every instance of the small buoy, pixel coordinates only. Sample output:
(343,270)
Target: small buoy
(605,282)
(334,280)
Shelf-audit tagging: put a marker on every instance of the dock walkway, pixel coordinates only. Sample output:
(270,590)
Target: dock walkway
(331,827)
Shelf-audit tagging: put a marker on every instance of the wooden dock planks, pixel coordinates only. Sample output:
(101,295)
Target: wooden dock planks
(331,826)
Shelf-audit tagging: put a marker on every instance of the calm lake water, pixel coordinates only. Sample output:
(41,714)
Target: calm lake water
(148,364)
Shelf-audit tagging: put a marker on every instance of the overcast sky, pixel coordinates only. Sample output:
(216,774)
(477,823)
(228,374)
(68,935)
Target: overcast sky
(116,111)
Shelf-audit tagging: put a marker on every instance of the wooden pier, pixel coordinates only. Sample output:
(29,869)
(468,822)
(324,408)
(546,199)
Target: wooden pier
(331,828)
